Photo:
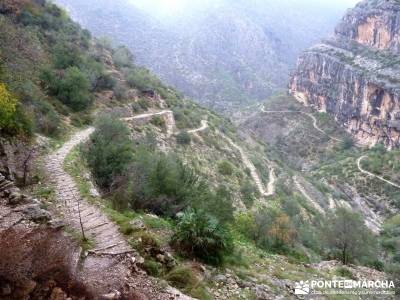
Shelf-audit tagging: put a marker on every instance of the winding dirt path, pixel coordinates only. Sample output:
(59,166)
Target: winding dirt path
(76,210)
(204,126)
(360,159)
(170,121)
(303,191)
(266,192)
(313,118)
(271,183)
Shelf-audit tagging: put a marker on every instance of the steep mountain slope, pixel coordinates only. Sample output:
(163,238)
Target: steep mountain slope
(355,75)
(214,54)
(45,97)
(149,189)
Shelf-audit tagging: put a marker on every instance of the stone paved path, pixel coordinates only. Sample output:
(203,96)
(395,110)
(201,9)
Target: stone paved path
(97,227)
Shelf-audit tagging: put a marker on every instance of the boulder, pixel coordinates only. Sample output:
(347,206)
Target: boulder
(58,294)
(36,214)
(57,223)
(160,258)
(220,278)
(262,292)
(137,224)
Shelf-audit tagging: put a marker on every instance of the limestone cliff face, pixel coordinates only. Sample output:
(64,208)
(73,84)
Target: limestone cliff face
(373,23)
(355,75)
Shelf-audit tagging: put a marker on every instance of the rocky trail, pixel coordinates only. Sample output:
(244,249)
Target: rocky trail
(204,126)
(77,212)
(303,191)
(314,120)
(170,121)
(102,231)
(265,192)
(360,159)
(109,263)
(82,215)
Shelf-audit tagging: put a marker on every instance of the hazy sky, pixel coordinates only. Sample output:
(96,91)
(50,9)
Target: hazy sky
(174,7)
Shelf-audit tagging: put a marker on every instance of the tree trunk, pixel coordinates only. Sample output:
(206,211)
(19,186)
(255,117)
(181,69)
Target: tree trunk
(344,255)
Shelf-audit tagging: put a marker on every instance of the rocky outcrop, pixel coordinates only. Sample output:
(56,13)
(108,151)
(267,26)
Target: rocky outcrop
(16,158)
(374,24)
(355,76)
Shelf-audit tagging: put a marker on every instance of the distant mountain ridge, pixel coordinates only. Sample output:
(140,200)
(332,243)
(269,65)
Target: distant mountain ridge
(228,56)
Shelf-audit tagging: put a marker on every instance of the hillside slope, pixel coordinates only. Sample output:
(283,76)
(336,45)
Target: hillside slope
(214,53)
(132,191)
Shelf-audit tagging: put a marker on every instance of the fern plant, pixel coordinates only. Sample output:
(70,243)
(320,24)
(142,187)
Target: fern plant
(201,235)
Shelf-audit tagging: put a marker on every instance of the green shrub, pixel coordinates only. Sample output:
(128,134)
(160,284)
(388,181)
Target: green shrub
(47,120)
(201,235)
(110,151)
(220,205)
(225,168)
(122,57)
(347,143)
(23,123)
(393,272)
(344,272)
(13,119)
(275,231)
(185,279)
(158,121)
(248,192)
(67,55)
(378,265)
(8,107)
(73,89)
(81,119)
(152,267)
(183,138)
(245,224)
(136,107)
(143,80)
(144,103)
(105,82)
(396,258)
(163,184)
(182,121)
(139,79)
(182,277)
(348,238)
(145,241)
(120,91)
(390,235)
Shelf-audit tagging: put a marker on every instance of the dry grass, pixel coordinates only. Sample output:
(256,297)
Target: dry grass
(31,261)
